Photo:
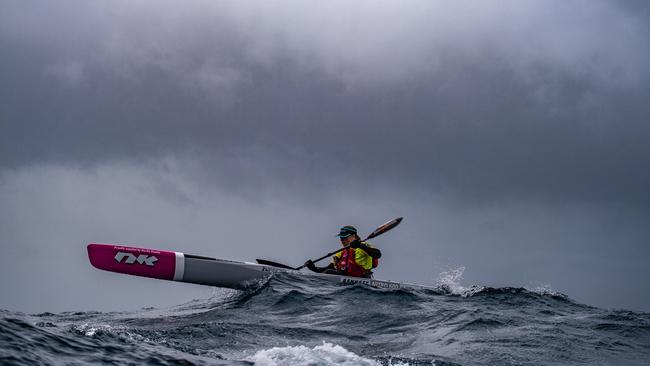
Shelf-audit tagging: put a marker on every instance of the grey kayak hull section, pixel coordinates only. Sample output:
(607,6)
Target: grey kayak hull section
(240,275)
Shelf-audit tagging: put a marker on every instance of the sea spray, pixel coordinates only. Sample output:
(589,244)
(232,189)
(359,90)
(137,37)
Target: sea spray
(449,282)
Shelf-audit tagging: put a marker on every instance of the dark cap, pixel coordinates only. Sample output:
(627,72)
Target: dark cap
(346,231)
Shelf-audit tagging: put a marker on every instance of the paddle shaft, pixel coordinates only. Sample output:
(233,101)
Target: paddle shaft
(323,257)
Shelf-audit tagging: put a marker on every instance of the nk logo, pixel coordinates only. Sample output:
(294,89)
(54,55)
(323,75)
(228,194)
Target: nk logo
(149,260)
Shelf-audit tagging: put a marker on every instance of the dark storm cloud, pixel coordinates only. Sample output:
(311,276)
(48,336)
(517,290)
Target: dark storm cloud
(533,101)
(512,135)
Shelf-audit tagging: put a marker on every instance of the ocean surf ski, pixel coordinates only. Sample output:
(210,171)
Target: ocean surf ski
(176,266)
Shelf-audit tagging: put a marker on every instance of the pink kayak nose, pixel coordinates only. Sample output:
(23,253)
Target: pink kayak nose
(134,261)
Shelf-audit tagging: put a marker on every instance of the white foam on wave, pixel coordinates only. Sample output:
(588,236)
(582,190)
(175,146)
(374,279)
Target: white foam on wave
(323,355)
(545,290)
(449,281)
(124,333)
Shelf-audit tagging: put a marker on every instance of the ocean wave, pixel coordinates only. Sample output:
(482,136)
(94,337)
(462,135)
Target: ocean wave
(295,321)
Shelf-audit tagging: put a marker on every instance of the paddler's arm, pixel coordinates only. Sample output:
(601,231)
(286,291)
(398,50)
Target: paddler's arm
(309,264)
(373,252)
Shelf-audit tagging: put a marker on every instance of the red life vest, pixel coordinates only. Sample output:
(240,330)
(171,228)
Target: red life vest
(348,265)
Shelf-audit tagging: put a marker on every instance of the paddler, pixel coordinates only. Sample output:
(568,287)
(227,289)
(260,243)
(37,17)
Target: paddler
(356,260)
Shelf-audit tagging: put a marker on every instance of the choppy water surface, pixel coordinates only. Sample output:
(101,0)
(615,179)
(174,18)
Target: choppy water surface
(291,321)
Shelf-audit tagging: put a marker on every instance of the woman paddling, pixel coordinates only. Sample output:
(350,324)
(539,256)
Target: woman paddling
(357,260)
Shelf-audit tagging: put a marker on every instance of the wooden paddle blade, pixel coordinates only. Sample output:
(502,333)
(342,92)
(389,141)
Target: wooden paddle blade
(385,227)
(273,264)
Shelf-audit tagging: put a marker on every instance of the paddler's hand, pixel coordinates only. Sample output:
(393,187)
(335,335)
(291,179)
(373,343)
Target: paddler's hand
(309,264)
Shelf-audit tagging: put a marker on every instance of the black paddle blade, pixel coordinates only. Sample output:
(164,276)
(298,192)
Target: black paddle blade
(273,264)
(385,227)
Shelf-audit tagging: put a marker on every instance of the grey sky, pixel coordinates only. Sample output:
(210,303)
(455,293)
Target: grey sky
(513,136)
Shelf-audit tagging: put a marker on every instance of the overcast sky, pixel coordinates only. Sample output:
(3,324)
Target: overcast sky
(513,136)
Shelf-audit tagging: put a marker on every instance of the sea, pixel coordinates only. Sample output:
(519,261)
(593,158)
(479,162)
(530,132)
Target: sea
(299,320)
